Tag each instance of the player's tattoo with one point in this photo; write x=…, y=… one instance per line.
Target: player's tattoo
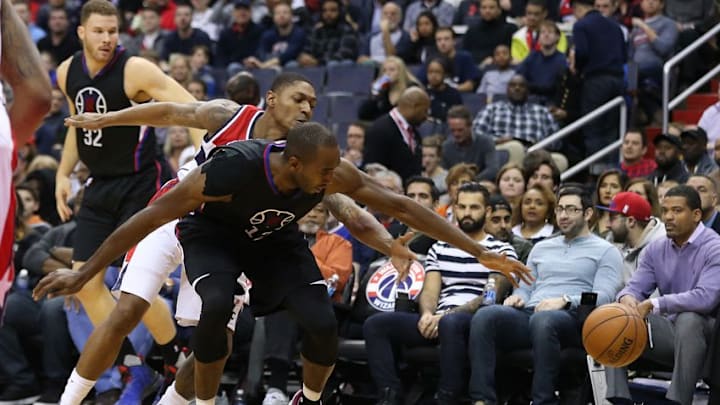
x=342, y=207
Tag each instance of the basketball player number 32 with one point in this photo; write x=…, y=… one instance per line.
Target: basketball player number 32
x=92, y=137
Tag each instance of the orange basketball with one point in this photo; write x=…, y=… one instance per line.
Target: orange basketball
x=614, y=335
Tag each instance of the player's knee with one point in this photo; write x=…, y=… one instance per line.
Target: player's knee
x=217, y=308
x=127, y=314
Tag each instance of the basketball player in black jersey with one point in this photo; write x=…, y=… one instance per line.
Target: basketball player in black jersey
x=238, y=231
x=124, y=174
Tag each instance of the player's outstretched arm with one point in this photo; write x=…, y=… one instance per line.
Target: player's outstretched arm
x=183, y=198
x=361, y=187
x=22, y=68
x=209, y=116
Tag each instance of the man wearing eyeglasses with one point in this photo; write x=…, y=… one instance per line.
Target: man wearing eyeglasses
x=542, y=316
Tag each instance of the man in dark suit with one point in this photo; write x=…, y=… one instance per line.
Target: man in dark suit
x=707, y=188
x=393, y=141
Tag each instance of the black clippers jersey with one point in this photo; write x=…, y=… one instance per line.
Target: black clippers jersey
x=258, y=211
x=112, y=151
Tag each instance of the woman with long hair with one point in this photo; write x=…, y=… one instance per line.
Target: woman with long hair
x=423, y=47
x=387, y=89
x=645, y=188
x=609, y=183
x=511, y=185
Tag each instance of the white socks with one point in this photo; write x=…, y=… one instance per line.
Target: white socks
x=171, y=397
x=310, y=394
x=210, y=401
x=76, y=389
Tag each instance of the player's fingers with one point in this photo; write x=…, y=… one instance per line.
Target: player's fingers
x=40, y=289
x=405, y=238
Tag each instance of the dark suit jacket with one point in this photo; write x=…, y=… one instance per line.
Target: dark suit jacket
x=716, y=224
x=384, y=144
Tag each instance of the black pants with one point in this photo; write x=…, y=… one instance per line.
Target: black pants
x=596, y=91
x=35, y=330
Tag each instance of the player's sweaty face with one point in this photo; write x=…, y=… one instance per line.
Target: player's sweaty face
x=295, y=104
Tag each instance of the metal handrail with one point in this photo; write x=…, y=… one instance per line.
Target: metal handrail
x=666, y=103
x=617, y=101
x=602, y=152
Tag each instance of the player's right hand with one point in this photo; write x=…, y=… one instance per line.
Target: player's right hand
x=59, y=282
x=401, y=256
x=86, y=120
x=62, y=194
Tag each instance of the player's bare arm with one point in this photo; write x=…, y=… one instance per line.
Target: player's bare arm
x=359, y=186
x=183, y=198
x=209, y=116
x=149, y=82
x=365, y=228
x=22, y=68
x=70, y=156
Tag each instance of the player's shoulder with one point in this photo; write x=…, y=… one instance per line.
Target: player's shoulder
x=62, y=72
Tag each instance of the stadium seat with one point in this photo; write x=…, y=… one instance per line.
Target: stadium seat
x=322, y=109
x=355, y=79
x=344, y=108
x=316, y=75
x=474, y=102
x=265, y=78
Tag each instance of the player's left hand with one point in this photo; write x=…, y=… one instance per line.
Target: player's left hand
x=401, y=256
x=59, y=282
x=86, y=120
x=511, y=268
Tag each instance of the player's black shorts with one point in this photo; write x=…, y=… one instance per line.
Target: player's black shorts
x=275, y=268
x=107, y=203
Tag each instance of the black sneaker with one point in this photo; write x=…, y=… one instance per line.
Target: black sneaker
x=14, y=395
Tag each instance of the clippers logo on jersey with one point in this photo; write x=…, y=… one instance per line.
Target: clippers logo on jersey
x=90, y=100
x=380, y=291
x=268, y=221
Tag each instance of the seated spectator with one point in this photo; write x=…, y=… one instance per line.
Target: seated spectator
x=149, y=36
x=391, y=40
x=332, y=41
x=61, y=41
x=485, y=33
x=333, y=255
x=668, y=149
x=710, y=122
x=48, y=137
x=355, y=137
x=633, y=228
x=41, y=179
x=540, y=168
x=176, y=141
x=185, y=37
x=443, y=11
x=527, y=38
x=541, y=316
x=422, y=46
x=543, y=69
x=609, y=183
x=652, y=42
x=515, y=119
x=180, y=69
x=644, y=188
x=681, y=317
x=610, y=9
x=663, y=188
x=452, y=292
x=22, y=8
x=394, y=79
x=203, y=19
x=199, y=59
x=463, y=147
x=280, y=44
x=632, y=151
x=457, y=175
x=496, y=79
x=537, y=214
x=465, y=74
x=442, y=96
x=511, y=185
x=198, y=89
x=707, y=189
x=166, y=8
x=423, y=191
x=242, y=30
x=694, y=151
x=498, y=223
x=31, y=205
x=431, y=162
x=392, y=139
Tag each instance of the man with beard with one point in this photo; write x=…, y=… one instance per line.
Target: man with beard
x=452, y=292
x=499, y=224
x=633, y=228
x=332, y=41
x=333, y=255
x=392, y=139
x=541, y=316
x=707, y=189
x=667, y=156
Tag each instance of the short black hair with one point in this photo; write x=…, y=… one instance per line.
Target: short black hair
x=475, y=187
x=448, y=29
x=590, y=3
x=434, y=192
x=643, y=137
x=286, y=79
x=577, y=190
x=459, y=111
x=540, y=3
x=692, y=198
x=304, y=140
x=243, y=88
x=497, y=202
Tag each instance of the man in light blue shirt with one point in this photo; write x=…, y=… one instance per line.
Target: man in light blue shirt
x=685, y=269
x=542, y=315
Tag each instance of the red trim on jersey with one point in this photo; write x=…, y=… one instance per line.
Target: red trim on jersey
x=239, y=127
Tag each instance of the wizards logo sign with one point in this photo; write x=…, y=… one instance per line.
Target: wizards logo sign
x=381, y=289
x=268, y=221
x=90, y=100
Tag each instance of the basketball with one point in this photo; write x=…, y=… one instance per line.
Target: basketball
x=614, y=335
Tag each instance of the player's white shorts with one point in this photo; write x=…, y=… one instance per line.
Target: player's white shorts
x=189, y=303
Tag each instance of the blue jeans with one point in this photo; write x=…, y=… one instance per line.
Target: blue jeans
x=501, y=328
x=386, y=332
